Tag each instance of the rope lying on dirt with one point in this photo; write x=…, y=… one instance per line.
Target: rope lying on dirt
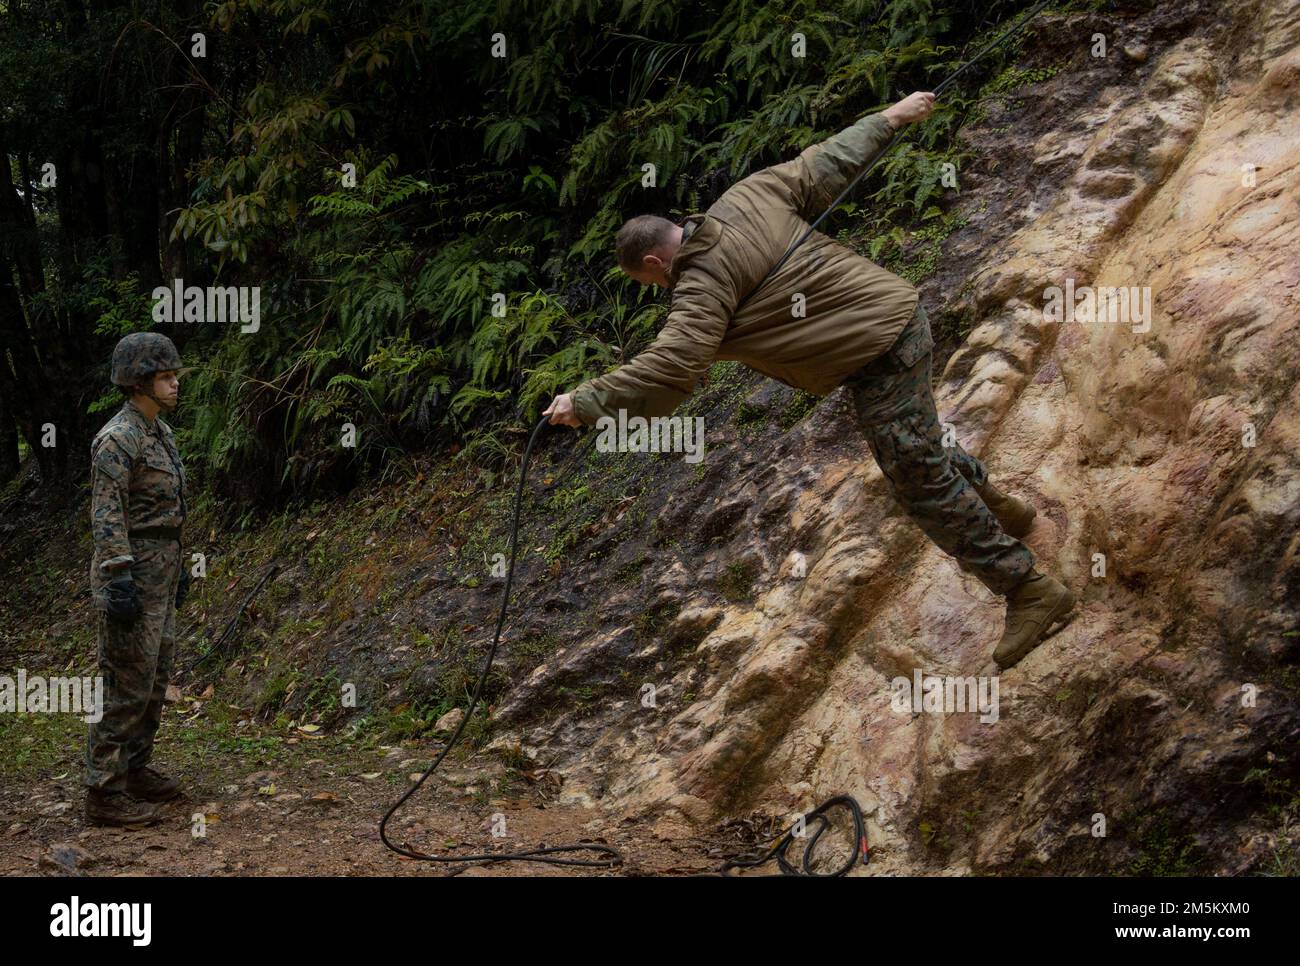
x=799, y=829
x=609, y=856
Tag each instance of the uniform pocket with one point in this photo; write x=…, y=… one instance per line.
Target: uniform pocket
x=159, y=462
x=157, y=477
x=915, y=341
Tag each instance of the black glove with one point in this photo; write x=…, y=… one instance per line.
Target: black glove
x=122, y=600
x=183, y=588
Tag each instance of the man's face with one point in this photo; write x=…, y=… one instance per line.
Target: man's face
x=166, y=388
x=654, y=266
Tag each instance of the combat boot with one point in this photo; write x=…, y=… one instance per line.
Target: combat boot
x=151, y=786
x=118, y=808
x=1015, y=516
x=1034, y=607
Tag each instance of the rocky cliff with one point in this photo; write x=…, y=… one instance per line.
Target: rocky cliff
x=1163, y=453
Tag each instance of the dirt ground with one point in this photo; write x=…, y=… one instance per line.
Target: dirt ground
x=282, y=793
x=307, y=804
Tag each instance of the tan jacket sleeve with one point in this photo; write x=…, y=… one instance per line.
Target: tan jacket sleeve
x=664, y=375
x=817, y=176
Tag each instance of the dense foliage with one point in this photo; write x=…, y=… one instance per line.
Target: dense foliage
x=474, y=175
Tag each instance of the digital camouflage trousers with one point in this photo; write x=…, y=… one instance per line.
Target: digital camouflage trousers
x=135, y=661
x=935, y=484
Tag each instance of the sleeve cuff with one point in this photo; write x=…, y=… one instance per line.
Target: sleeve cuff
x=582, y=407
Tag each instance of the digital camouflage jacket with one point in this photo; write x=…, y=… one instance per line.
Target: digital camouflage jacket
x=137, y=480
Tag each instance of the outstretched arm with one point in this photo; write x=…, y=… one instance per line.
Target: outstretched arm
x=817, y=176
x=664, y=375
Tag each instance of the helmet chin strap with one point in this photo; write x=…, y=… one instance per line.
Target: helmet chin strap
x=146, y=389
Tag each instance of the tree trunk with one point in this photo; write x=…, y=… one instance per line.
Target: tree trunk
x=9, y=462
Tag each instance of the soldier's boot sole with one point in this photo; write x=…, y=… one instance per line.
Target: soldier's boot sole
x=1036, y=610
x=109, y=817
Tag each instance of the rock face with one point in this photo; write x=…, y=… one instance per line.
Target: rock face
x=1163, y=453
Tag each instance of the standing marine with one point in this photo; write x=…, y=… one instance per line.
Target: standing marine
x=137, y=580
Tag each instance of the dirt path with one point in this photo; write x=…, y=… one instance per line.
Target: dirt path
x=277, y=803
x=310, y=837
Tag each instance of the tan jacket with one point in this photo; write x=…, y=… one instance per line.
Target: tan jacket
x=854, y=309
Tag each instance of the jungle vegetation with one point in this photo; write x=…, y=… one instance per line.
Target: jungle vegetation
x=424, y=193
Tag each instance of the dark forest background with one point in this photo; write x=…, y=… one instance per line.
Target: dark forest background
x=130, y=161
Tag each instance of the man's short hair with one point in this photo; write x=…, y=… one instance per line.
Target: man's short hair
x=639, y=236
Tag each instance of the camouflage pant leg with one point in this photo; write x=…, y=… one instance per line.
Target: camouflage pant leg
x=933, y=483
x=135, y=663
x=140, y=748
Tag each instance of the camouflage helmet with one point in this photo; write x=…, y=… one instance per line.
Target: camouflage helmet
x=140, y=355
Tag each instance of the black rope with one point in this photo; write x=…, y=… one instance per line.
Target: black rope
x=859, y=851
x=611, y=856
